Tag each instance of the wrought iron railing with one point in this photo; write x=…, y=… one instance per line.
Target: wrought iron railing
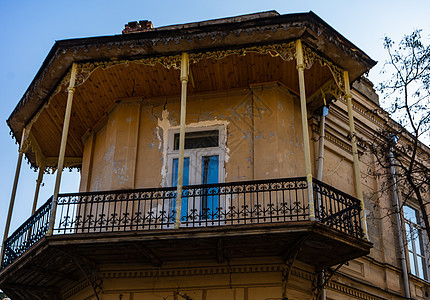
x=337, y=209
x=223, y=204
x=27, y=234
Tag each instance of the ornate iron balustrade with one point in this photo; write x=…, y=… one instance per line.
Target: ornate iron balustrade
x=27, y=234
x=337, y=209
x=223, y=204
x=226, y=204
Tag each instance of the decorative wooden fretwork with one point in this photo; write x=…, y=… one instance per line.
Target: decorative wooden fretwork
x=310, y=57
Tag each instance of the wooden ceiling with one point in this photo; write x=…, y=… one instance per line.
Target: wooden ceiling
x=104, y=87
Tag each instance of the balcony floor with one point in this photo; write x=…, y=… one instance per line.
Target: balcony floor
x=265, y=219
x=55, y=261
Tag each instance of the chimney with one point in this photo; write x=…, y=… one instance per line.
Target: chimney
x=134, y=26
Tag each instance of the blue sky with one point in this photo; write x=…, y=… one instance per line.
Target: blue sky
x=28, y=30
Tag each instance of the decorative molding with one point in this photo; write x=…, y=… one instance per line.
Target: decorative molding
x=352, y=292
x=74, y=290
x=221, y=270
x=338, y=142
x=329, y=87
x=40, y=158
x=286, y=51
x=86, y=69
x=310, y=57
x=365, y=113
x=333, y=89
x=69, y=162
x=283, y=50
x=213, y=270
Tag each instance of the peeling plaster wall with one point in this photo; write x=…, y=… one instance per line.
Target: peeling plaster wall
x=115, y=148
x=263, y=137
x=278, y=138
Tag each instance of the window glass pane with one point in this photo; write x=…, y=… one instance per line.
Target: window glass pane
x=410, y=214
x=198, y=139
x=210, y=169
x=424, y=268
x=185, y=179
x=417, y=242
x=412, y=262
x=210, y=201
x=409, y=236
x=420, y=267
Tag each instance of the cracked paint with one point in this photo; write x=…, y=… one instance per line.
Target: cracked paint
x=162, y=132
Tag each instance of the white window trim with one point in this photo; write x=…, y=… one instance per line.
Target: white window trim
x=196, y=154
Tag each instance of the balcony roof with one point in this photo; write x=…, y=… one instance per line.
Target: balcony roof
x=221, y=34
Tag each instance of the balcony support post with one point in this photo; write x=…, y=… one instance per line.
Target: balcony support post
x=308, y=167
x=60, y=164
x=353, y=134
x=13, y=194
x=38, y=183
x=185, y=65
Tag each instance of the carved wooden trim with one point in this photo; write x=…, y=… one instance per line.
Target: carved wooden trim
x=310, y=57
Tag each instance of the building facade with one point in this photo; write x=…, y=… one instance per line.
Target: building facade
x=219, y=159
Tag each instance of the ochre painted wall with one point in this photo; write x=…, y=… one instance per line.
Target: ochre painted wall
x=263, y=138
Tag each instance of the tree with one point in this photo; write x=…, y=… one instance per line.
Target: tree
x=407, y=90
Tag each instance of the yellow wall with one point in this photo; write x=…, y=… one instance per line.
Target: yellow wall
x=264, y=137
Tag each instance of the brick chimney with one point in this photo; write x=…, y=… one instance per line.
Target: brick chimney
x=134, y=26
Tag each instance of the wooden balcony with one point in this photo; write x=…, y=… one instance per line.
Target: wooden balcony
x=266, y=218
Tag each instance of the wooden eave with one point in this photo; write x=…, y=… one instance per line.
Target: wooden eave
x=167, y=41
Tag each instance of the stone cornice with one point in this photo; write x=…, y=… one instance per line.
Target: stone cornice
x=333, y=285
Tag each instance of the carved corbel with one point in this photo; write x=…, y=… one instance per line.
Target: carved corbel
x=328, y=88
x=310, y=57
x=40, y=158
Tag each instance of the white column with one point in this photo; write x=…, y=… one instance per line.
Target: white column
x=308, y=167
x=38, y=183
x=184, y=82
x=13, y=194
x=60, y=163
x=353, y=134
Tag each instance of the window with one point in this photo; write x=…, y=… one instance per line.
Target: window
x=203, y=164
x=416, y=242
x=198, y=139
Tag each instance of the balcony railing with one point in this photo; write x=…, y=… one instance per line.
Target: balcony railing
x=223, y=204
